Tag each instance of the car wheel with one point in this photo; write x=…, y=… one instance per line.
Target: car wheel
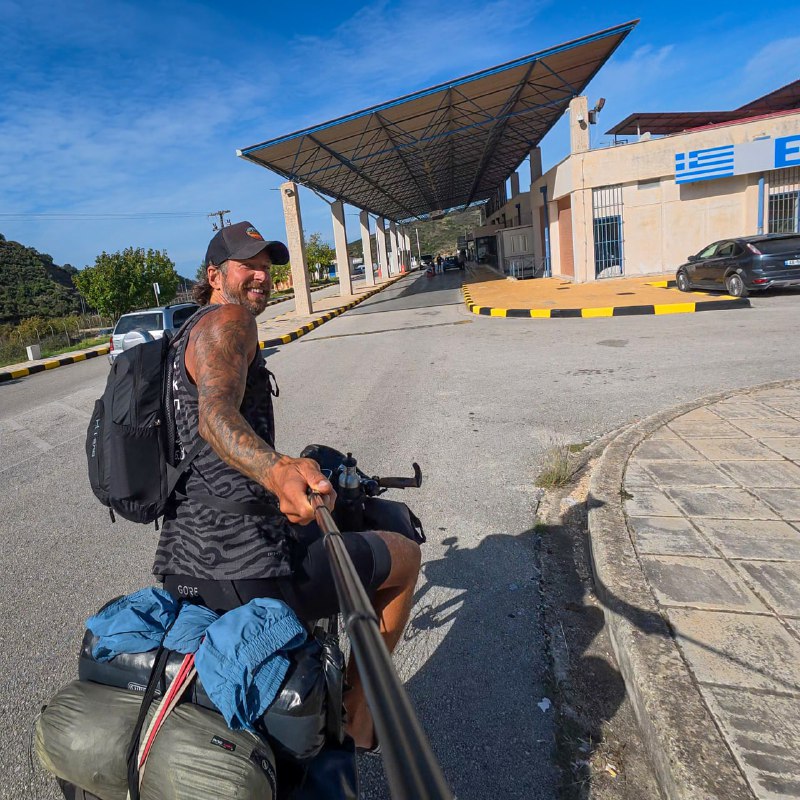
x=682, y=280
x=735, y=285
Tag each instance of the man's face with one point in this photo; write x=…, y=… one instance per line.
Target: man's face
x=246, y=283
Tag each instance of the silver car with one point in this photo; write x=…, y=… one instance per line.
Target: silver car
x=144, y=326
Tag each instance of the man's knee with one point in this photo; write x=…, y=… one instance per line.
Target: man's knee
x=406, y=557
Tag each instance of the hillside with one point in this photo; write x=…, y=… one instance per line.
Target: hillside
x=435, y=235
x=32, y=285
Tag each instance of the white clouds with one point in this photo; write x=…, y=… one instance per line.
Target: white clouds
x=774, y=65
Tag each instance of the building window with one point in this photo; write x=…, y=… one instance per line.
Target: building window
x=519, y=243
x=784, y=201
x=607, y=230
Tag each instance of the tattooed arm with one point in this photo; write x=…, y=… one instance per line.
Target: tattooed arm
x=220, y=349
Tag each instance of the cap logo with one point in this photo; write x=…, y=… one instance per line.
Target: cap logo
x=254, y=234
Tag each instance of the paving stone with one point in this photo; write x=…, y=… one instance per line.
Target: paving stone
x=763, y=428
x=763, y=474
x=635, y=476
x=720, y=504
x=778, y=582
x=663, y=433
x=743, y=410
x=699, y=582
x=705, y=414
x=687, y=473
x=789, y=447
x=733, y=450
x=747, y=650
x=650, y=503
x=763, y=731
x=786, y=501
x=764, y=539
x=767, y=395
x=790, y=407
x=670, y=536
x=718, y=429
x=651, y=449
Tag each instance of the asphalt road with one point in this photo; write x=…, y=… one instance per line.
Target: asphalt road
x=409, y=375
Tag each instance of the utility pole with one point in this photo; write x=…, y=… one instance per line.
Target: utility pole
x=222, y=221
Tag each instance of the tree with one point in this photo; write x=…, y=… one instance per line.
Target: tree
x=123, y=281
x=202, y=273
x=319, y=255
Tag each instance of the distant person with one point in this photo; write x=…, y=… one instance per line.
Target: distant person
x=439, y=262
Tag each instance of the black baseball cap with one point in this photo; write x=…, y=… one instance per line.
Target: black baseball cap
x=242, y=241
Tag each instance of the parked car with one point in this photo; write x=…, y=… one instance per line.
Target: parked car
x=144, y=326
x=451, y=262
x=743, y=265
x=426, y=261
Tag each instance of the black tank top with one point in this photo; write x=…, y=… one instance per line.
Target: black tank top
x=202, y=542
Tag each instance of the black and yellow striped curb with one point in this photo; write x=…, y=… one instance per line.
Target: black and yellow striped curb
x=309, y=326
x=607, y=311
x=52, y=363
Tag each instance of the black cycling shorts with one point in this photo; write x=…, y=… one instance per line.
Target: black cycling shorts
x=309, y=591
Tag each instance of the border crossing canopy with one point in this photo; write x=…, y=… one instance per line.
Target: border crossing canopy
x=444, y=147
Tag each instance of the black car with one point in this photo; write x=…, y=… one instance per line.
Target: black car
x=451, y=262
x=744, y=265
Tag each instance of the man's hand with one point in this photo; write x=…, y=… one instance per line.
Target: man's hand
x=290, y=479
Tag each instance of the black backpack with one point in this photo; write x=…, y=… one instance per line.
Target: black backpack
x=131, y=439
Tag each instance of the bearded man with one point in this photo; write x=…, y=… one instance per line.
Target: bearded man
x=231, y=535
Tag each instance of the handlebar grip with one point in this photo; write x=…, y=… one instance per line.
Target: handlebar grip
x=403, y=483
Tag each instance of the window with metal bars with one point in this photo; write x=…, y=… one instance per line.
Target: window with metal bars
x=784, y=201
x=607, y=231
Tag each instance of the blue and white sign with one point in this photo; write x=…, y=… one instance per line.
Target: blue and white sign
x=737, y=159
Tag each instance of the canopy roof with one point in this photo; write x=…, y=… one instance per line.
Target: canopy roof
x=663, y=123
x=443, y=147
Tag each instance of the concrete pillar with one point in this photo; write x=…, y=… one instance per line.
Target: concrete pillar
x=340, y=243
x=366, y=244
x=394, y=261
x=578, y=125
x=297, y=247
x=408, y=247
x=582, y=237
x=514, y=184
x=380, y=240
x=536, y=164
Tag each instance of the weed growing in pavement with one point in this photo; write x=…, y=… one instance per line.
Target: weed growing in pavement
x=557, y=469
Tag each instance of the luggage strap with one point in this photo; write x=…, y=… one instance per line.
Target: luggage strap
x=132, y=756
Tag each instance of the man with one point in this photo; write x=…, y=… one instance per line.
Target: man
x=229, y=539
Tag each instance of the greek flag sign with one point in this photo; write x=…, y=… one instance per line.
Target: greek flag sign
x=726, y=160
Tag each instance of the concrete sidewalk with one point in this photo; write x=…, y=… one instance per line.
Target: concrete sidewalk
x=695, y=535
x=490, y=294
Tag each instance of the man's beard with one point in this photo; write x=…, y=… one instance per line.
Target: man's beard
x=241, y=297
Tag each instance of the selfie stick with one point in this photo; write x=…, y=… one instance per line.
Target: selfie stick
x=412, y=771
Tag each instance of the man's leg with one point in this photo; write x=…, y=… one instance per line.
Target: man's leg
x=393, y=600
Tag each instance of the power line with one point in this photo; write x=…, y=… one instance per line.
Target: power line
x=100, y=215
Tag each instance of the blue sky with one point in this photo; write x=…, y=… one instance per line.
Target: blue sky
x=138, y=108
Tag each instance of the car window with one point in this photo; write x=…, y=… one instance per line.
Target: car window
x=725, y=249
x=737, y=249
x=153, y=321
x=709, y=251
x=181, y=315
